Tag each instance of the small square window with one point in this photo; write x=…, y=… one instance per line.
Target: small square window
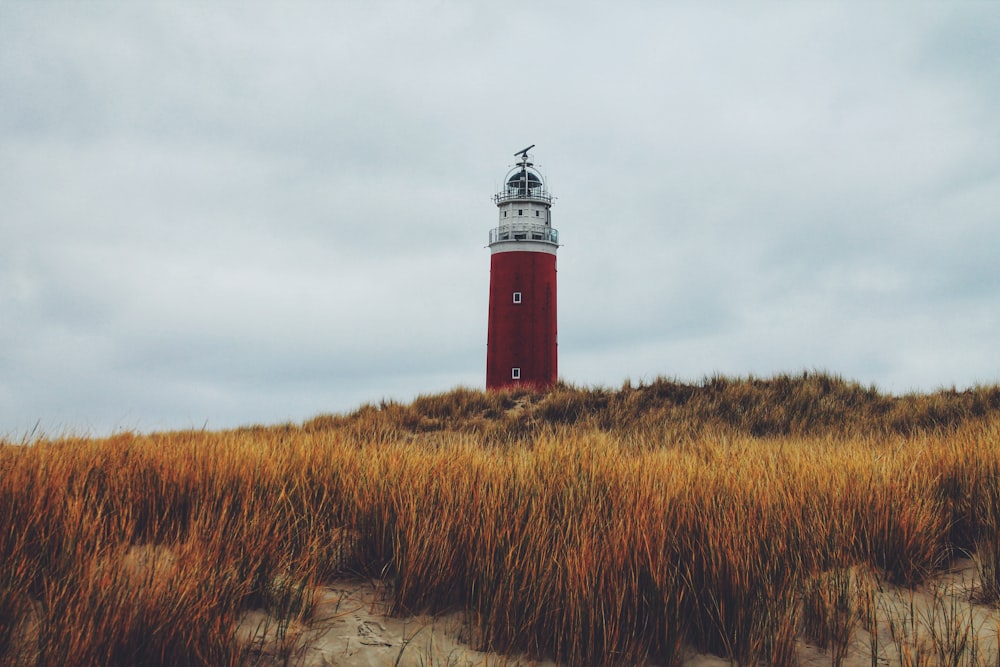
x=515, y=374
x=517, y=297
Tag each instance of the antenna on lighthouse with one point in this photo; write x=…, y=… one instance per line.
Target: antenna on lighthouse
x=524, y=153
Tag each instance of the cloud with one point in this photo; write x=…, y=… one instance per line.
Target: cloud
x=246, y=214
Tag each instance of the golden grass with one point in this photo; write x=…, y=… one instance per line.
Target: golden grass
x=591, y=526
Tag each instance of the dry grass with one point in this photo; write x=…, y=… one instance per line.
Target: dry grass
x=591, y=526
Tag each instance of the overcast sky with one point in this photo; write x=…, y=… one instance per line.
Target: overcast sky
x=238, y=213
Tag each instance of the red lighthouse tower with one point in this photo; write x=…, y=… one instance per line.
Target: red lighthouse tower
x=521, y=336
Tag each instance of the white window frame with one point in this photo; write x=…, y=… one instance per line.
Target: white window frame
x=515, y=373
x=517, y=297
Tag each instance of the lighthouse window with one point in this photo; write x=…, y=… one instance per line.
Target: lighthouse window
x=517, y=297
x=520, y=211
x=515, y=374
x=505, y=214
x=537, y=213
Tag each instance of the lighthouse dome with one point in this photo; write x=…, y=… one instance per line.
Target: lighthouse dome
x=523, y=181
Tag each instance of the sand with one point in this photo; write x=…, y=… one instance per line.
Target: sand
x=350, y=627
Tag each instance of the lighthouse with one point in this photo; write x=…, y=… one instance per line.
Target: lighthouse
x=521, y=336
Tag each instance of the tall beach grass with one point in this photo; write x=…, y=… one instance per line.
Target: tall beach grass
x=586, y=525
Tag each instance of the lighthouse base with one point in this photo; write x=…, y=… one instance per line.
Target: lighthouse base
x=521, y=345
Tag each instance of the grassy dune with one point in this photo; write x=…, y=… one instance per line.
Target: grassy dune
x=589, y=526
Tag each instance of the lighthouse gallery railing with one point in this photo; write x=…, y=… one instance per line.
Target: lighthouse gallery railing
x=524, y=231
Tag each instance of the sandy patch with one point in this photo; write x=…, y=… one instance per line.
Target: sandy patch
x=350, y=627
x=937, y=623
